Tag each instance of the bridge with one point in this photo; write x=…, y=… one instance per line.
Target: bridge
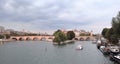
x=84, y=38
x=48, y=38
x=25, y=38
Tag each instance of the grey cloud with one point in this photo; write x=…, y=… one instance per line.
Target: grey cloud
x=55, y=14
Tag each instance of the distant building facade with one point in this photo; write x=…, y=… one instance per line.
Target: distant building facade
x=79, y=32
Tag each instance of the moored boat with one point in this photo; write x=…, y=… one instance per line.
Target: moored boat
x=115, y=58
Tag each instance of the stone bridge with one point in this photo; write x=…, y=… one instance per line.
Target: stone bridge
x=20, y=38
x=48, y=38
x=84, y=38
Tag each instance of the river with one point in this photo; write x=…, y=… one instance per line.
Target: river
x=41, y=52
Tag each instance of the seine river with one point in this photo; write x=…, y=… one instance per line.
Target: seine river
x=41, y=52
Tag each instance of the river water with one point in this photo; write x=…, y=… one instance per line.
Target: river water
x=41, y=52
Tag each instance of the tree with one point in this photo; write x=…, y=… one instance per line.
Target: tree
x=59, y=36
x=116, y=25
x=1, y=36
x=4, y=36
x=56, y=32
x=70, y=35
x=57, y=39
x=109, y=33
x=104, y=31
x=7, y=36
x=114, y=39
x=116, y=29
x=113, y=34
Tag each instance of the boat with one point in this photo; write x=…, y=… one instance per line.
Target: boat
x=104, y=50
x=114, y=50
x=99, y=44
x=115, y=58
x=79, y=47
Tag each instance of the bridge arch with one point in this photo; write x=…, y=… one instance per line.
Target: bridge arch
x=76, y=39
x=28, y=38
x=88, y=39
x=21, y=39
x=15, y=39
x=43, y=39
x=81, y=39
x=36, y=39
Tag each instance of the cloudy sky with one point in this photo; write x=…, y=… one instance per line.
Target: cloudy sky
x=50, y=15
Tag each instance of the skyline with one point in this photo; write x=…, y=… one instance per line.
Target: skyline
x=50, y=15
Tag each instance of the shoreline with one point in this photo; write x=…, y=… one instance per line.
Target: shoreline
x=6, y=40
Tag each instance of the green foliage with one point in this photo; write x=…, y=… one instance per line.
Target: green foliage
x=59, y=36
x=83, y=34
x=57, y=39
x=14, y=34
x=114, y=39
x=116, y=25
x=113, y=34
x=24, y=34
x=70, y=35
x=104, y=31
x=1, y=36
x=109, y=33
x=7, y=36
x=56, y=32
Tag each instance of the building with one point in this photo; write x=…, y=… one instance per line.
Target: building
x=8, y=31
x=79, y=32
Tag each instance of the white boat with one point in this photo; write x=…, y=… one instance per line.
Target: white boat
x=79, y=47
x=99, y=42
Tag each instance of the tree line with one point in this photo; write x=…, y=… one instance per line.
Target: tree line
x=113, y=34
x=4, y=36
x=61, y=36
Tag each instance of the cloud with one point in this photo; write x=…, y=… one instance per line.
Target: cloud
x=50, y=15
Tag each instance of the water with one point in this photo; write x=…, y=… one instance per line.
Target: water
x=40, y=52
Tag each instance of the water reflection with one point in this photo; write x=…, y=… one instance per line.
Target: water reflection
x=1, y=43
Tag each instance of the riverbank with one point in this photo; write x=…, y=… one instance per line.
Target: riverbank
x=63, y=43
x=5, y=40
